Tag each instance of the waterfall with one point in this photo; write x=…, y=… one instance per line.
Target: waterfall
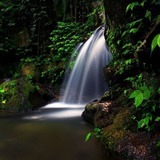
x=86, y=81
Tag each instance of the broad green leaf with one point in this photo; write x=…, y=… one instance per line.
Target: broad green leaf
x=155, y=42
x=2, y=90
x=146, y=92
x=139, y=99
x=134, y=94
x=138, y=95
x=146, y=120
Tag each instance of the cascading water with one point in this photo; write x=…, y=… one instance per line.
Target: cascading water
x=87, y=81
x=56, y=120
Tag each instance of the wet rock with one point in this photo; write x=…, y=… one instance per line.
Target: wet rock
x=100, y=114
x=90, y=111
x=117, y=134
x=15, y=95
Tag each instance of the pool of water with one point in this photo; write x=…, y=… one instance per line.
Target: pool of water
x=48, y=134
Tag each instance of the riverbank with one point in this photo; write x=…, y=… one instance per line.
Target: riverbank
x=119, y=130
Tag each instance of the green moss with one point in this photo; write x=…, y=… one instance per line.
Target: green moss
x=16, y=95
x=115, y=132
x=123, y=118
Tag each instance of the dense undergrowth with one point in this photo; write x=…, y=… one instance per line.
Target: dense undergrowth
x=36, y=43
x=135, y=68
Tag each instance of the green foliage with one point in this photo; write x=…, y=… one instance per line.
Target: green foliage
x=14, y=95
x=144, y=95
x=141, y=94
x=158, y=144
x=155, y=42
x=126, y=44
x=97, y=132
x=62, y=47
x=2, y=94
x=131, y=6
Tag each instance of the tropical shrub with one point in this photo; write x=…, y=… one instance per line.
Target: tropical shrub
x=134, y=46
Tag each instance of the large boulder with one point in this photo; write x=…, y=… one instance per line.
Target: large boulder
x=119, y=134
x=14, y=95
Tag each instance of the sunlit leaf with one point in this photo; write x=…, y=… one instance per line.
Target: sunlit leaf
x=141, y=123
x=157, y=119
x=134, y=94
x=158, y=40
x=139, y=99
x=142, y=4
x=4, y=101
x=131, y=6
x=88, y=136
x=2, y=90
x=155, y=42
x=133, y=30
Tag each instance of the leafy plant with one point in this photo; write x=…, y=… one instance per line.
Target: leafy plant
x=97, y=132
x=128, y=49
x=155, y=42
x=141, y=94
x=145, y=101
x=62, y=47
x=2, y=92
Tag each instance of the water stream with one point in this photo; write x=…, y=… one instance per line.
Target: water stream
x=56, y=131
x=48, y=134
x=86, y=81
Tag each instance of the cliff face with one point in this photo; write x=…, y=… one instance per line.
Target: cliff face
x=115, y=12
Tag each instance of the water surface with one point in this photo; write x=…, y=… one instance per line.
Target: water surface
x=45, y=135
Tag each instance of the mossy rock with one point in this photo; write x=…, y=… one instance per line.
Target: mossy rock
x=112, y=137
x=15, y=95
x=101, y=114
x=123, y=118
x=90, y=111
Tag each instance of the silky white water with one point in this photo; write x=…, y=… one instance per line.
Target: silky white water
x=86, y=81
x=56, y=131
